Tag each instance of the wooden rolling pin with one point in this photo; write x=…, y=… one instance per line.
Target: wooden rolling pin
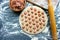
x=52, y=20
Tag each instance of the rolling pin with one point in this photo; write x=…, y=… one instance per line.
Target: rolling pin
x=52, y=20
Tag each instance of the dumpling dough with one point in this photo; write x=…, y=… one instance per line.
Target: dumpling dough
x=33, y=20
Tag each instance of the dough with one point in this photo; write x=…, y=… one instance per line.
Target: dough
x=33, y=20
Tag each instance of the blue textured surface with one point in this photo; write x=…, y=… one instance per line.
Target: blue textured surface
x=10, y=28
x=0, y=0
